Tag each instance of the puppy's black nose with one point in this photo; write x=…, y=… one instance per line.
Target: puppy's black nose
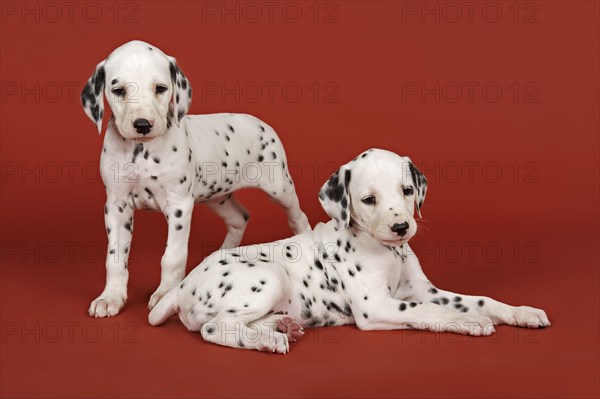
x=400, y=229
x=142, y=126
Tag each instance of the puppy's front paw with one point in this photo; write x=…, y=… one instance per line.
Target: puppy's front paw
x=526, y=316
x=156, y=296
x=108, y=304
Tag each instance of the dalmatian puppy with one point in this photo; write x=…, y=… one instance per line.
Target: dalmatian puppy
x=357, y=268
x=155, y=157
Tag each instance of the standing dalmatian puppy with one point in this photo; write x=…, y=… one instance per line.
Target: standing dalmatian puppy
x=156, y=157
x=357, y=268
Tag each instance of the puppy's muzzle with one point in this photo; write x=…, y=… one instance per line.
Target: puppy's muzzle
x=142, y=126
x=400, y=228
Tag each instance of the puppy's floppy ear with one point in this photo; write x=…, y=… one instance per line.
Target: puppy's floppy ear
x=182, y=91
x=420, y=185
x=92, y=96
x=335, y=197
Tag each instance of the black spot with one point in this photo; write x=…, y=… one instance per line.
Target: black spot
x=127, y=226
x=156, y=159
x=210, y=329
x=154, y=177
x=480, y=302
x=178, y=227
x=402, y=307
x=413, y=304
x=136, y=150
x=260, y=158
x=457, y=299
x=433, y=290
x=99, y=81
x=178, y=213
x=365, y=316
x=444, y=300
x=318, y=264
x=347, y=177
x=274, y=155
x=174, y=149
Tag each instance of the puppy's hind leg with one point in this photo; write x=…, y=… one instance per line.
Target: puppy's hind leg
x=243, y=325
x=235, y=216
x=285, y=195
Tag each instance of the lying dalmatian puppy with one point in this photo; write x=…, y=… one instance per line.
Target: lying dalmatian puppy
x=156, y=157
x=357, y=268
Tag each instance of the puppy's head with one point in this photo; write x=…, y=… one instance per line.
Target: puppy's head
x=144, y=87
x=378, y=192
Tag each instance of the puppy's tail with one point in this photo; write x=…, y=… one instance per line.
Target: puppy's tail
x=164, y=309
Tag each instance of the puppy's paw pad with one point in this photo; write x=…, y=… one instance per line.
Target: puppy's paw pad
x=291, y=328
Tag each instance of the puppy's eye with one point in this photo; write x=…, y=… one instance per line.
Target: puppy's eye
x=368, y=200
x=161, y=89
x=408, y=191
x=118, y=91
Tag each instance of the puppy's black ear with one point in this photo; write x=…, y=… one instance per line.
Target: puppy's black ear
x=335, y=197
x=92, y=96
x=182, y=91
x=420, y=184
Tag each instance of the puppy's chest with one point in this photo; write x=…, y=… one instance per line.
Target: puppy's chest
x=146, y=173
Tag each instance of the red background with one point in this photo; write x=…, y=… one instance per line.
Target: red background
x=543, y=220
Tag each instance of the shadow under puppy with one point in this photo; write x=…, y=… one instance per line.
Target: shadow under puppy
x=357, y=268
